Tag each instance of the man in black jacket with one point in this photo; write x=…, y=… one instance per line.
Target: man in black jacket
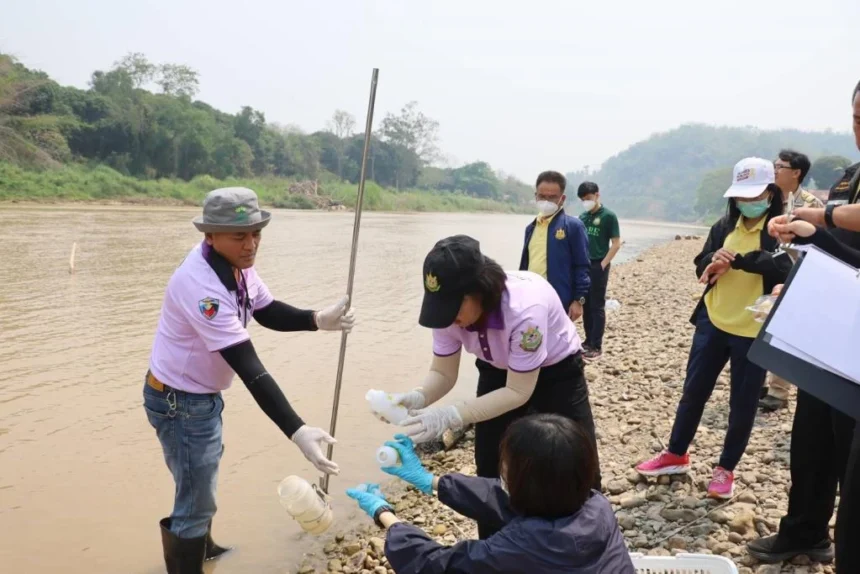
x=821, y=436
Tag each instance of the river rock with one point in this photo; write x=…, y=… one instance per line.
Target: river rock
x=743, y=523
x=722, y=547
x=626, y=521
x=352, y=548
x=748, y=497
x=677, y=543
x=632, y=501
x=719, y=516
x=618, y=486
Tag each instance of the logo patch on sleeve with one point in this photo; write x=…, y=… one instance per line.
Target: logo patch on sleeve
x=531, y=340
x=208, y=307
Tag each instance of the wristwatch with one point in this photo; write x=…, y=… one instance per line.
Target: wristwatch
x=828, y=215
x=379, y=512
x=581, y=300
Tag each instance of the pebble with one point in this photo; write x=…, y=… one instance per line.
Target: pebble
x=618, y=486
x=743, y=522
x=352, y=548
x=719, y=516
x=748, y=497
x=632, y=501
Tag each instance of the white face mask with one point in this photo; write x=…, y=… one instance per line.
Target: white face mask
x=546, y=208
x=588, y=205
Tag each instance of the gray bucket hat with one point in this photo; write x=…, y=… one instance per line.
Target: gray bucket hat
x=231, y=209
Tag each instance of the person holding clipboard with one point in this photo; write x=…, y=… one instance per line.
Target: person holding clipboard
x=825, y=443
x=848, y=515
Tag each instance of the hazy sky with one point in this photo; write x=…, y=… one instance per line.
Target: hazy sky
x=526, y=86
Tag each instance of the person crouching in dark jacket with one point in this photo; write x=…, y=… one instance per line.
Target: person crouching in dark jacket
x=737, y=265
x=549, y=518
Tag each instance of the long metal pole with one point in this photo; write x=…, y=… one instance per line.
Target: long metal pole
x=355, y=227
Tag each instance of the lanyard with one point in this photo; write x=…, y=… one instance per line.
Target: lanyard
x=243, y=300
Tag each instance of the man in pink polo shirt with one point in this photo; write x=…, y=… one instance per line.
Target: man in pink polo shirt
x=200, y=343
x=529, y=355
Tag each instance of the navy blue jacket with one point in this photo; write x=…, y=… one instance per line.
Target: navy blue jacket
x=588, y=542
x=567, y=262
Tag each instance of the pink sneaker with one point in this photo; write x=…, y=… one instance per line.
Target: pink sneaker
x=722, y=484
x=665, y=463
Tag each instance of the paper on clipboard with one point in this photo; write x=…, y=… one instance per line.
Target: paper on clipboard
x=785, y=347
x=818, y=319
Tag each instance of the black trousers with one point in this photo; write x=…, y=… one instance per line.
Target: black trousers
x=820, y=444
x=594, y=313
x=848, y=517
x=561, y=389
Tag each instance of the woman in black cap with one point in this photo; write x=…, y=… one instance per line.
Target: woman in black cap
x=528, y=352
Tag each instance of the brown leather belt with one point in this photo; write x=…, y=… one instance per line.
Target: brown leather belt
x=155, y=383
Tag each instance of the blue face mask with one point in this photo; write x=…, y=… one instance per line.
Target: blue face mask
x=753, y=209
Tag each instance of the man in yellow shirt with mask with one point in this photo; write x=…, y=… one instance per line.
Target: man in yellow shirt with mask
x=556, y=245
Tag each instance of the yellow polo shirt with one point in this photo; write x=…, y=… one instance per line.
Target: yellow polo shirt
x=537, y=246
x=736, y=290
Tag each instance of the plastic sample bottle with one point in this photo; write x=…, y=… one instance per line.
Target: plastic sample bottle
x=382, y=404
x=387, y=456
x=306, y=504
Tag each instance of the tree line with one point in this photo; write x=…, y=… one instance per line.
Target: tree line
x=681, y=174
x=141, y=119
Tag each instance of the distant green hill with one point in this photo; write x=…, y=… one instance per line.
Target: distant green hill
x=658, y=178
x=138, y=134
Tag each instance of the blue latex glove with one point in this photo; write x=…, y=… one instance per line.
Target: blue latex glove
x=369, y=497
x=411, y=470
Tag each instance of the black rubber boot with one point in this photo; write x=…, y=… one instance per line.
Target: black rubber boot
x=775, y=549
x=214, y=551
x=182, y=555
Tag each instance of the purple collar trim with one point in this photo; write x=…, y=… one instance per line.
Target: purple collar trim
x=495, y=320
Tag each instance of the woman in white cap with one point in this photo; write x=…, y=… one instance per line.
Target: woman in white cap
x=200, y=342
x=737, y=265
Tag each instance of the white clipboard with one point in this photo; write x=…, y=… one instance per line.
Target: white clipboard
x=818, y=320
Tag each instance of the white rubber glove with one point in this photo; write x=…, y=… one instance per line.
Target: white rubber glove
x=332, y=318
x=310, y=441
x=413, y=400
x=429, y=424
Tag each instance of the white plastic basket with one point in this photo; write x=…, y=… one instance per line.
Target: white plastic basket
x=682, y=564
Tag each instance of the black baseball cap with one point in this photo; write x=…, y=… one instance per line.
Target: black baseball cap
x=450, y=270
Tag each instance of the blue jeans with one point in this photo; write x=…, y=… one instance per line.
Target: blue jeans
x=189, y=428
x=709, y=353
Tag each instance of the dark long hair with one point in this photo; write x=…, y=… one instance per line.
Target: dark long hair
x=549, y=464
x=488, y=285
x=776, y=207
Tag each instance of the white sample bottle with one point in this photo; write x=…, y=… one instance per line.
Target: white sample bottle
x=383, y=405
x=306, y=504
x=387, y=456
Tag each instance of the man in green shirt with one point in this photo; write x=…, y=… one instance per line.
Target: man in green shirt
x=604, y=241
